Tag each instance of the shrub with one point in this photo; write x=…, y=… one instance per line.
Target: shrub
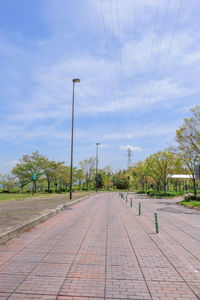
x=122, y=183
x=192, y=198
x=141, y=192
x=50, y=191
x=15, y=191
x=163, y=194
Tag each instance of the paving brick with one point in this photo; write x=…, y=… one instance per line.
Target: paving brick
x=8, y=283
x=16, y=296
x=4, y=296
x=40, y=285
x=51, y=269
x=83, y=287
x=101, y=249
x=127, y=289
x=17, y=267
x=175, y=290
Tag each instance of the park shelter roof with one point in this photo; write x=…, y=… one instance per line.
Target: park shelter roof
x=180, y=176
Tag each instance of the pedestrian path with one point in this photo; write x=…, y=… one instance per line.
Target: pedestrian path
x=101, y=249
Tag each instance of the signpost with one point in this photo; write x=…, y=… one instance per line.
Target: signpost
x=34, y=179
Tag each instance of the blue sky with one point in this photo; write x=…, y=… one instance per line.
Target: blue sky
x=139, y=65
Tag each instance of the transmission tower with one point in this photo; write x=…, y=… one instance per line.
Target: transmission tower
x=129, y=157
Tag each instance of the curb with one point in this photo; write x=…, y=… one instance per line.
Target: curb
x=24, y=226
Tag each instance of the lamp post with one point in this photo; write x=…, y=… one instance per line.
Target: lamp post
x=97, y=144
x=75, y=80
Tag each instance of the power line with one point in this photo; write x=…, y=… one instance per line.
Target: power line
x=149, y=62
x=108, y=56
x=159, y=47
x=169, y=48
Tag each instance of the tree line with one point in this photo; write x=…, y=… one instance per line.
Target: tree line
x=150, y=174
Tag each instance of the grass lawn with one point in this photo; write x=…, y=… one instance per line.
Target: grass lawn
x=20, y=196
x=190, y=203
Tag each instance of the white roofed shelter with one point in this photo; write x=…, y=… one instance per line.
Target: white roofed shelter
x=179, y=176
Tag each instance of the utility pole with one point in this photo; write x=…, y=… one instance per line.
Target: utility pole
x=97, y=144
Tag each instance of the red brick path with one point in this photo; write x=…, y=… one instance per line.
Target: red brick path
x=101, y=249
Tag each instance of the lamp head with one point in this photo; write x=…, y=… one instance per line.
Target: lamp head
x=76, y=80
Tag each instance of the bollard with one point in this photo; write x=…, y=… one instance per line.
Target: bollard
x=131, y=204
x=139, y=209
x=156, y=222
x=126, y=199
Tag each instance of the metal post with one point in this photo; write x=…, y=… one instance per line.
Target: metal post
x=139, y=209
x=131, y=203
x=156, y=222
x=72, y=137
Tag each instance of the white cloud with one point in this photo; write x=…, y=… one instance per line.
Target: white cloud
x=6, y=167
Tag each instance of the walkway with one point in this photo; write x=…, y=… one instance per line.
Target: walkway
x=100, y=249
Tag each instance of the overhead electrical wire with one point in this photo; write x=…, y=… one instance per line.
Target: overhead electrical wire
x=169, y=49
x=155, y=58
x=149, y=63
x=109, y=55
x=115, y=58
x=159, y=49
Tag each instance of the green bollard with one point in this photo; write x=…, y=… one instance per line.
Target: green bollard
x=156, y=222
x=139, y=209
x=126, y=199
x=131, y=203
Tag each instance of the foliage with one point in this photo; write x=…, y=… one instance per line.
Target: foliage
x=192, y=197
x=190, y=203
x=121, y=183
x=188, y=139
x=99, y=181
x=88, y=168
x=8, y=182
x=159, y=166
x=163, y=194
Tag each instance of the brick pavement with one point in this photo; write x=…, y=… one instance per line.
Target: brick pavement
x=101, y=249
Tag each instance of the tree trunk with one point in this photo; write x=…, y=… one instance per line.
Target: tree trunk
x=165, y=188
x=48, y=185
x=194, y=186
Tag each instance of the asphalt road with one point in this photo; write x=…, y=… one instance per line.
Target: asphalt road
x=102, y=249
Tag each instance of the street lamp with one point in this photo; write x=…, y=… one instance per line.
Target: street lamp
x=97, y=144
x=75, y=80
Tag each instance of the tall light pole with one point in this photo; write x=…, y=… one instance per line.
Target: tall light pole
x=75, y=80
x=97, y=144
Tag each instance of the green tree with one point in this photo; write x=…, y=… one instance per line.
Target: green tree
x=8, y=182
x=107, y=177
x=26, y=166
x=80, y=177
x=99, y=180
x=62, y=176
x=49, y=168
x=88, y=168
x=159, y=165
x=188, y=139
